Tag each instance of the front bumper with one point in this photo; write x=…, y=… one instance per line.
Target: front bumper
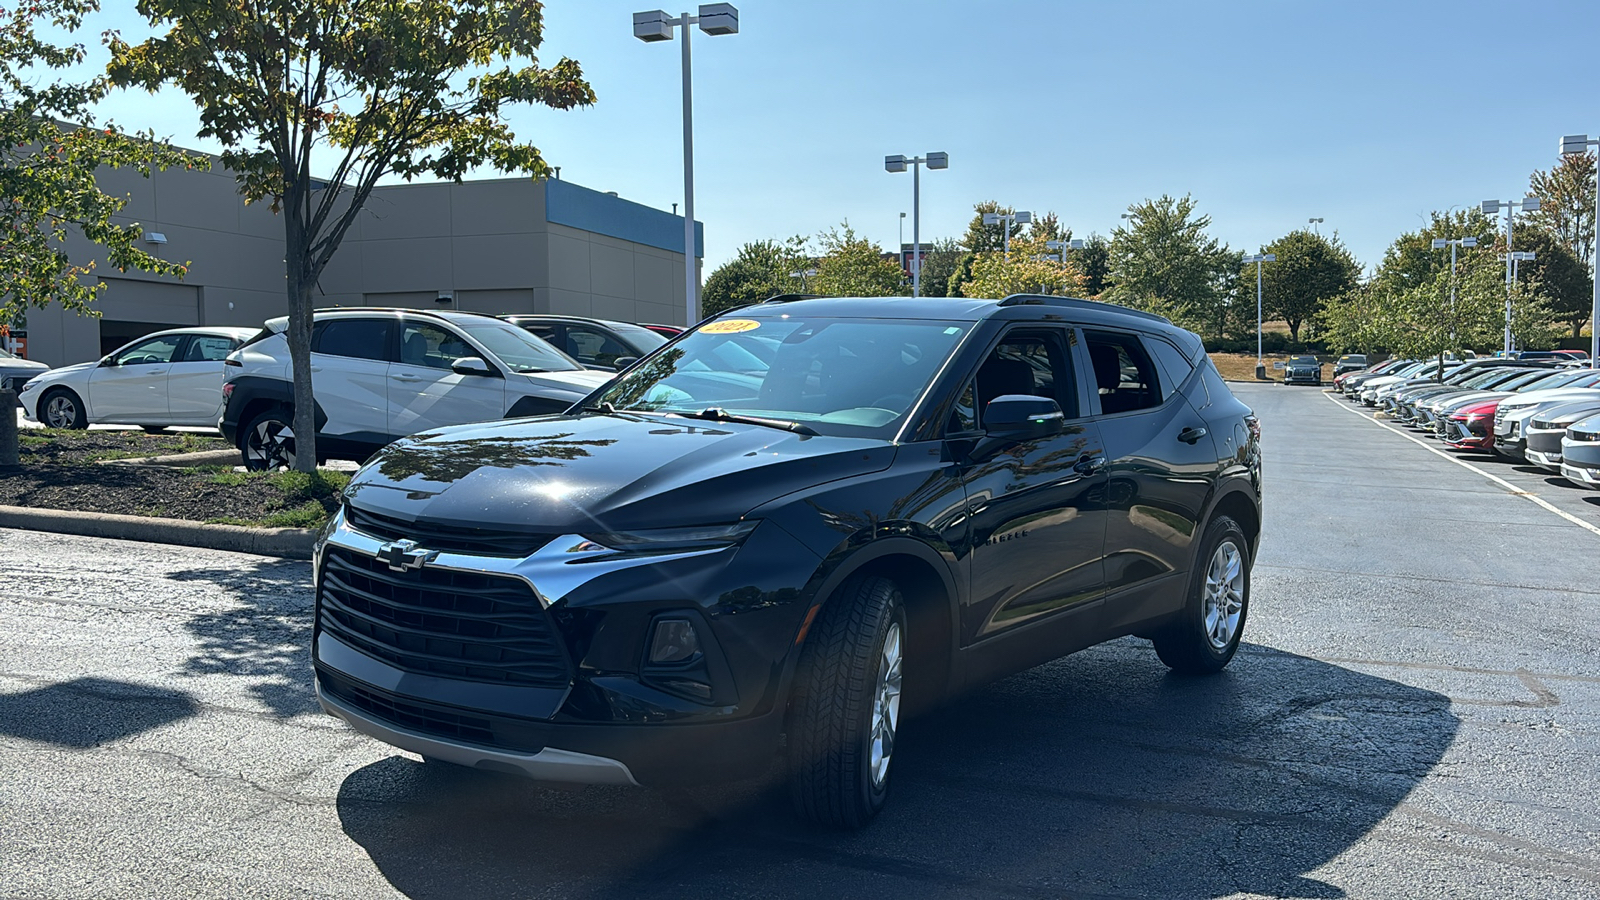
x=1550, y=462
x=1582, y=475
x=1304, y=377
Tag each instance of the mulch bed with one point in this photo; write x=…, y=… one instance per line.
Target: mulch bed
x=60, y=470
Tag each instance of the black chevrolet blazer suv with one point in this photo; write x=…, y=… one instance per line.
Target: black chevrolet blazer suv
x=784, y=530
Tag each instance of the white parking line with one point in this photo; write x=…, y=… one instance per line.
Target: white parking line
x=1511, y=488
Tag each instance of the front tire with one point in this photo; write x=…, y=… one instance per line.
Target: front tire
x=267, y=442
x=62, y=408
x=846, y=706
x=1207, y=632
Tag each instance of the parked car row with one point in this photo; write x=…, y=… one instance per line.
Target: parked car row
x=1540, y=409
x=381, y=374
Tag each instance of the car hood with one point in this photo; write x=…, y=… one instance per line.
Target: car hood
x=1456, y=401
x=1569, y=413
x=67, y=371
x=21, y=367
x=579, y=381
x=592, y=472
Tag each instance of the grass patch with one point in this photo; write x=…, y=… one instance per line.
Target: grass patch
x=308, y=499
x=229, y=478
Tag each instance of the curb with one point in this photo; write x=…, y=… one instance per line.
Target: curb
x=288, y=543
x=178, y=460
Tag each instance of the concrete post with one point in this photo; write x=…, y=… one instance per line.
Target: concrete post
x=8, y=428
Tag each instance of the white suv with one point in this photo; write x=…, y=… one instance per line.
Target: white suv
x=382, y=374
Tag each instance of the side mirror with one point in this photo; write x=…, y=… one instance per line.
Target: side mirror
x=108, y=360
x=1021, y=417
x=470, y=365
x=622, y=362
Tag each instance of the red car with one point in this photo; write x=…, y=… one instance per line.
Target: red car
x=1472, y=427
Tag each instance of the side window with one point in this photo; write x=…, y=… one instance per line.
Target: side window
x=203, y=348
x=1026, y=361
x=1174, y=367
x=546, y=333
x=354, y=338
x=593, y=348
x=151, y=352
x=1124, y=374
x=423, y=344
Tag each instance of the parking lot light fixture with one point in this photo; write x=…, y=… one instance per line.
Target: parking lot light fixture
x=1574, y=145
x=1440, y=244
x=1258, y=259
x=896, y=164
x=1491, y=207
x=1314, y=222
x=1009, y=220
x=654, y=26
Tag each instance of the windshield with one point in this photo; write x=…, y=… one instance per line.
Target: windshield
x=1310, y=360
x=5, y=355
x=518, y=349
x=838, y=376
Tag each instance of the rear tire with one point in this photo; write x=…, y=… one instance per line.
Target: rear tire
x=154, y=429
x=267, y=441
x=1206, y=634
x=846, y=705
x=62, y=408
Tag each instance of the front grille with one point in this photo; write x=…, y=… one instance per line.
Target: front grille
x=424, y=718
x=467, y=625
x=451, y=539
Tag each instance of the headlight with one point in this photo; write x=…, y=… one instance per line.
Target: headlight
x=694, y=537
x=28, y=387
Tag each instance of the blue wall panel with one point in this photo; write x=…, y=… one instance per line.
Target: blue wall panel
x=576, y=206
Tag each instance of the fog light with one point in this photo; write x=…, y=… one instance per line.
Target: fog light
x=674, y=641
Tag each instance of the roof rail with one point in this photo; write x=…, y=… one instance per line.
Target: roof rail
x=1075, y=303
x=789, y=298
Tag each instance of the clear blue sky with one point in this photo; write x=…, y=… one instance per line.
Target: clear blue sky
x=1366, y=114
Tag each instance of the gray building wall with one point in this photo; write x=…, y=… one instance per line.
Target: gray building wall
x=494, y=246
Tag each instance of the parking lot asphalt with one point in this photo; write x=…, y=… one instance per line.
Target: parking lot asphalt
x=1415, y=713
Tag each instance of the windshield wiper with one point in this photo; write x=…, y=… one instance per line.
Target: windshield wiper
x=718, y=414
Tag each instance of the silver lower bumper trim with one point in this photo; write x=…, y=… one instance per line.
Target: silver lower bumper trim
x=1580, y=475
x=549, y=764
x=1550, y=462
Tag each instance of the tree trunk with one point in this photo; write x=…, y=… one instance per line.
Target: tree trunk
x=300, y=283
x=1294, y=330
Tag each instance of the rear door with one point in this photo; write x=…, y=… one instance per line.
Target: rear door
x=1163, y=465
x=424, y=393
x=350, y=369
x=133, y=389
x=194, y=382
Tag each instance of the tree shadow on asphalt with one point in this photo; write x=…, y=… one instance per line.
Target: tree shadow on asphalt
x=88, y=712
x=266, y=640
x=1096, y=775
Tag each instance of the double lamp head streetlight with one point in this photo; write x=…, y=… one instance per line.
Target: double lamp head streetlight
x=714, y=19
x=1258, y=259
x=1578, y=145
x=896, y=164
x=1492, y=207
x=1010, y=220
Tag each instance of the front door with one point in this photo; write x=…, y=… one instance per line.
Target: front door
x=132, y=389
x=424, y=393
x=1037, y=527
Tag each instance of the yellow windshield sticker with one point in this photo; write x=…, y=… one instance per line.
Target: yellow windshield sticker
x=731, y=326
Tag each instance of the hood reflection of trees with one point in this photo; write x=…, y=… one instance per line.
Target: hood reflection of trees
x=451, y=461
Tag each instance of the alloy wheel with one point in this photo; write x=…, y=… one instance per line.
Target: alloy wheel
x=886, y=705
x=1224, y=598
x=270, y=444
x=60, y=412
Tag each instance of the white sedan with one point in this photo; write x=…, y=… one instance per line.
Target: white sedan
x=160, y=380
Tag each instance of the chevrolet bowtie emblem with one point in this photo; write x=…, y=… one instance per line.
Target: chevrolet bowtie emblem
x=402, y=556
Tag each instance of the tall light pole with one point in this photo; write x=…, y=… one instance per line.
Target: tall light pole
x=1516, y=256
x=1573, y=145
x=1491, y=207
x=656, y=25
x=1009, y=220
x=1061, y=248
x=898, y=164
x=1440, y=244
x=1258, y=259
x=1314, y=222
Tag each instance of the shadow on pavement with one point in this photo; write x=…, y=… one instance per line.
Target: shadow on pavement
x=266, y=640
x=88, y=712
x=1097, y=775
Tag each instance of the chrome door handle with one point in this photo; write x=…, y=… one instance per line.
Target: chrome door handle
x=1191, y=435
x=405, y=378
x=1090, y=465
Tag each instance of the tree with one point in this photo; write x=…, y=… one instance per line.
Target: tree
x=760, y=270
x=981, y=237
x=1411, y=260
x=852, y=266
x=1164, y=262
x=47, y=170
x=406, y=87
x=1555, y=274
x=1309, y=271
x=939, y=261
x=1027, y=270
x=1094, y=261
x=1566, y=203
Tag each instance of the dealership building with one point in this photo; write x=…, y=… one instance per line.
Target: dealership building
x=511, y=245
